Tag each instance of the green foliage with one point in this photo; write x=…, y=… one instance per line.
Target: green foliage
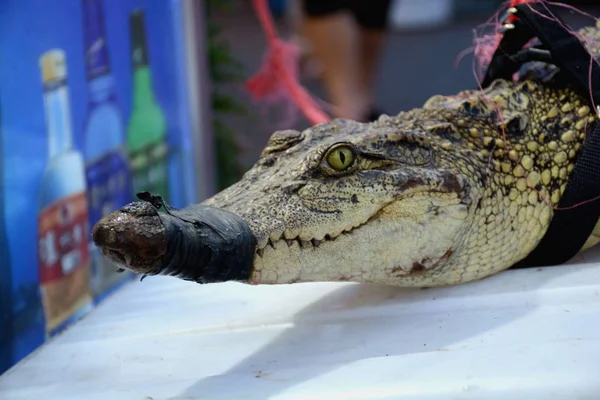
x=220, y=4
x=224, y=70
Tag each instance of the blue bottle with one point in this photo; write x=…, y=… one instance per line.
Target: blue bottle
x=107, y=169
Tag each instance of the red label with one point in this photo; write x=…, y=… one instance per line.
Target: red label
x=63, y=241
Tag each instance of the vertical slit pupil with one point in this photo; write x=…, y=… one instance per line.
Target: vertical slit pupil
x=342, y=157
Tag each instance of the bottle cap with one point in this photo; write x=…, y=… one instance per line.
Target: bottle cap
x=139, y=51
x=96, y=51
x=53, y=65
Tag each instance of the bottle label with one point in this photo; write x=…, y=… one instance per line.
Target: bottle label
x=149, y=165
x=108, y=184
x=63, y=246
x=64, y=259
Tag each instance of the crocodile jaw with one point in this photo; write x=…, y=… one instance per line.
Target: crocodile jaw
x=406, y=243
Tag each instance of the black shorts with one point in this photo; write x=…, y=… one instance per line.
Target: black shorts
x=369, y=14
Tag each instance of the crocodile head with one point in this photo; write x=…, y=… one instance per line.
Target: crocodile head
x=348, y=201
x=343, y=201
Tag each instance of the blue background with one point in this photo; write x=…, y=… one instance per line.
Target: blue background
x=27, y=29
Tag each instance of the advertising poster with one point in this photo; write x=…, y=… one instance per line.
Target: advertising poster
x=89, y=116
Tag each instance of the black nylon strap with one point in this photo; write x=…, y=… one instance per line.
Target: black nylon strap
x=577, y=214
x=575, y=219
x=569, y=52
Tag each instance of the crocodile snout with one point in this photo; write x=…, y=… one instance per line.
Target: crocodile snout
x=132, y=237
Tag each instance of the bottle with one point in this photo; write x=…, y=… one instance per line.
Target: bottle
x=6, y=304
x=108, y=177
x=146, y=133
x=63, y=250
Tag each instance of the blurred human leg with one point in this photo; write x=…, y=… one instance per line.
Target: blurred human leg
x=347, y=37
x=372, y=17
x=334, y=37
x=309, y=66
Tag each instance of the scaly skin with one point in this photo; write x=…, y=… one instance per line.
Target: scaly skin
x=455, y=191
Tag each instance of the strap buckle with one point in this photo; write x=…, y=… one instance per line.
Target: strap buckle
x=507, y=20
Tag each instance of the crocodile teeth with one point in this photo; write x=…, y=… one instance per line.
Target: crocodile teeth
x=260, y=252
x=275, y=239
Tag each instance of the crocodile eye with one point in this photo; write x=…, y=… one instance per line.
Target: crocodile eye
x=341, y=157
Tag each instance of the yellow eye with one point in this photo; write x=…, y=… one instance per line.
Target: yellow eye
x=340, y=158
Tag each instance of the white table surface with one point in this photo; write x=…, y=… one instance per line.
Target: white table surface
x=525, y=334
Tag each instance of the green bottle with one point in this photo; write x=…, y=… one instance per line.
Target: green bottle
x=147, y=128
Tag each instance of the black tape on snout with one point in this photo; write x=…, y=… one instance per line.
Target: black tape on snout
x=205, y=244
x=579, y=208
